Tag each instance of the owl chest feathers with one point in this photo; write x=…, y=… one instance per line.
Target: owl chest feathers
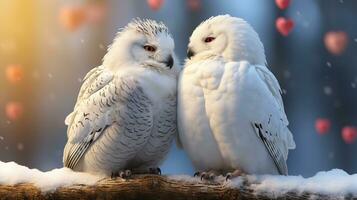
x=157, y=86
x=207, y=85
x=215, y=76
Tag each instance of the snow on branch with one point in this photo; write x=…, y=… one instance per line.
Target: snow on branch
x=19, y=182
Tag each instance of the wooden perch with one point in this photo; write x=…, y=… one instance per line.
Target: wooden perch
x=144, y=187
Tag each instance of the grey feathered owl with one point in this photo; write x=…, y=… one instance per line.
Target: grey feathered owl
x=125, y=115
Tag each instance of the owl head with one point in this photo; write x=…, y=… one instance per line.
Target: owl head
x=143, y=43
x=229, y=37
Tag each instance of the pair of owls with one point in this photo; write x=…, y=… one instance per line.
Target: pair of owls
x=225, y=104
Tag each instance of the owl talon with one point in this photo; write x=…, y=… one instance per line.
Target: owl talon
x=156, y=171
x=125, y=174
x=203, y=175
x=208, y=176
x=228, y=176
x=234, y=174
x=196, y=174
x=159, y=171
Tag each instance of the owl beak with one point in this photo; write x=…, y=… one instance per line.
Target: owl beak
x=170, y=62
x=190, y=53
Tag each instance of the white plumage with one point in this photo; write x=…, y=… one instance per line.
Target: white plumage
x=230, y=110
x=125, y=115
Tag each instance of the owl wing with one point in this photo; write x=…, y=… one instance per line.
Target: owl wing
x=274, y=88
x=105, y=99
x=274, y=132
x=94, y=80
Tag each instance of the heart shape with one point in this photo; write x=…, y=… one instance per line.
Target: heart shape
x=194, y=5
x=14, y=73
x=72, y=17
x=284, y=26
x=349, y=134
x=282, y=4
x=322, y=126
x=14, y=110
x=155, y=4
x=336, y=42
x=95, y=12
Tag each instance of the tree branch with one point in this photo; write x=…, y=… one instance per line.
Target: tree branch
x=145, y=187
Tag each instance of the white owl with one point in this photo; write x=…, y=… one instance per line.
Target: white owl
x=125, y=116
x=231, y=115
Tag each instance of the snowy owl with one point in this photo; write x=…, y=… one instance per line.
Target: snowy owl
x=125, y=116
x=231, y=116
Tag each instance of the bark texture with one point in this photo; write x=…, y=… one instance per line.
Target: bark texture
x=147, y=187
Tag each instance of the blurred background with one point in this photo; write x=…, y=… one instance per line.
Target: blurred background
x=46, y=48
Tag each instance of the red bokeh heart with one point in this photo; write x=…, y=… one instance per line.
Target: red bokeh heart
x=322, y=126
x=282, y=4
x=155, y=4
x=284, y=26
x=349, y=134
x=336, y=42
x=14, y=73
x=95, y=12
x=72, y=17
x=14, y=110
x=194, y=5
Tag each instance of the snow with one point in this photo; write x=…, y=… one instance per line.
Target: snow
x=335, y=182
x=12, y=173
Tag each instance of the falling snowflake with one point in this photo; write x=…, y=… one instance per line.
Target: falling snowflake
x=331, y=155
x=287, y=74
x=52, y=96
x=101, y=46
x=50, y=76
x=328, y=90
x=20, y=146
x=35, y=75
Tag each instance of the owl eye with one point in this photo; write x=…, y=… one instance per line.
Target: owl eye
x=149, y=48
x=209, y=39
